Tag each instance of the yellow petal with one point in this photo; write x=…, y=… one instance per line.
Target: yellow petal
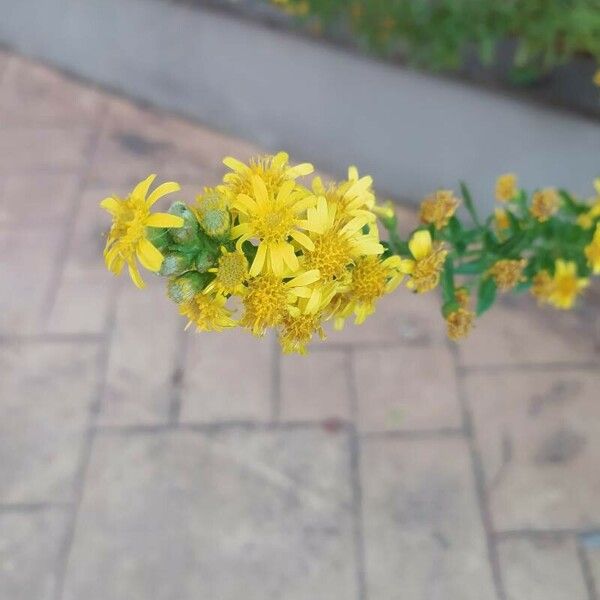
x=260, y=190
x=276, y=256
x=235, y=165
x=305, y=278
x=141, y=189
x=259, y=260
x=300, y=170
x=150, y=257
x=135, y=275
x=112, y=205
x=420, y=244
x=162, y=190
x=407, y=266
x=303, y=239
x=164, y=220
x=289, y=258
x=244, y=204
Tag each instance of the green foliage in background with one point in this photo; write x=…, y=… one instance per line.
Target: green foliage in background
x=438, y=33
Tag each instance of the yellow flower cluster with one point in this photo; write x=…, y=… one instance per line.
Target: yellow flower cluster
x=262, y=251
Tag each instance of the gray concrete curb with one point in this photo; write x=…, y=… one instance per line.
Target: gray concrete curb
x=413, y=132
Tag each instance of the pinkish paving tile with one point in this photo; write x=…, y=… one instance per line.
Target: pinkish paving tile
x=142, y=359
x=35, y=95
x=517, y=331
x=228, y=376
x=538, y=433
x=422, y=527
x=315, y=386
x=406, y=388
x=400, y=318
x=43, y=148
x=28, y=269
x=41, y=199
x=546, y=567
x=138, y=141
x=47, y=390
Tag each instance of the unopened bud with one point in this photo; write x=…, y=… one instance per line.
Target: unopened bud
x=186, y=286
x=213, y=214
x=189, y=232
x=175, y=263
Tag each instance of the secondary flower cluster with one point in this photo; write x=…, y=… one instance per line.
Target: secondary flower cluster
x=264, y=251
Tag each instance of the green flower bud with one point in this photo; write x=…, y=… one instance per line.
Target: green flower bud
x=186, y=286
x=175, y=263
x=213, y=214
x=189, y=232
x=206, y=258
x=158, y=236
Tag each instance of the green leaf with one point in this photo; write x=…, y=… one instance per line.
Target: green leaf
x=469, y=203
x=474, y=267
x=486, y=295
x=447, y=281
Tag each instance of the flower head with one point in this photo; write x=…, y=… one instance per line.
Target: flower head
x=128, y=238
x=544, y=204
x=427, y=262
x=212, y=212
x=336, y=245
x=506, y=187
x=231, y=272
x=267, y=297
x=507, y=273
x=501, y=219
x=566, y=285
x=274, y=217
x=439, y=208
x=273, y=171
x=207, y=312
x=542, y=286
x=592, y=251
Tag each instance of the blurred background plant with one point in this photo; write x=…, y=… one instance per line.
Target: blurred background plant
x=443, y=34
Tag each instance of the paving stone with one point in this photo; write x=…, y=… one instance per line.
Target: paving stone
x=401, y=317
x=546, y=568
x=139, y=382
x=315, y=386
x=228, y=376
x=591, y=545
x=539, y=437
x=517, y=331
x=85, y=288
x=46, y=390
x=28, y=260
x=29, y=548
x=41, y=200
x=423, y=532
x=35, y=95
x=43, y=148
x=237, y=514
x=137, y=141
x=406, y=388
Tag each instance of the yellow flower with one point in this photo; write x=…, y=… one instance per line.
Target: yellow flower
x=351, y=198
x=597, y=78
x=566, y=286
x=385, y=210
x=231, y=273
x=506, y=187
x=501, y=219
x=592, y=251
x=587, y=219
x=335, y=246
x=267, y=297
x=127, y=239
x=427, y=262
x=371, y=279
x=507, y=273
x=272, y=170
x=459, y=323
x=542, y=286
x=272, y=216
x=439, y=208
x=544, y=204
x=207, y=312
x=212, y=212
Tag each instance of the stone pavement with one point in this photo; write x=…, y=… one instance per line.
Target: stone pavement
x=141, y=462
